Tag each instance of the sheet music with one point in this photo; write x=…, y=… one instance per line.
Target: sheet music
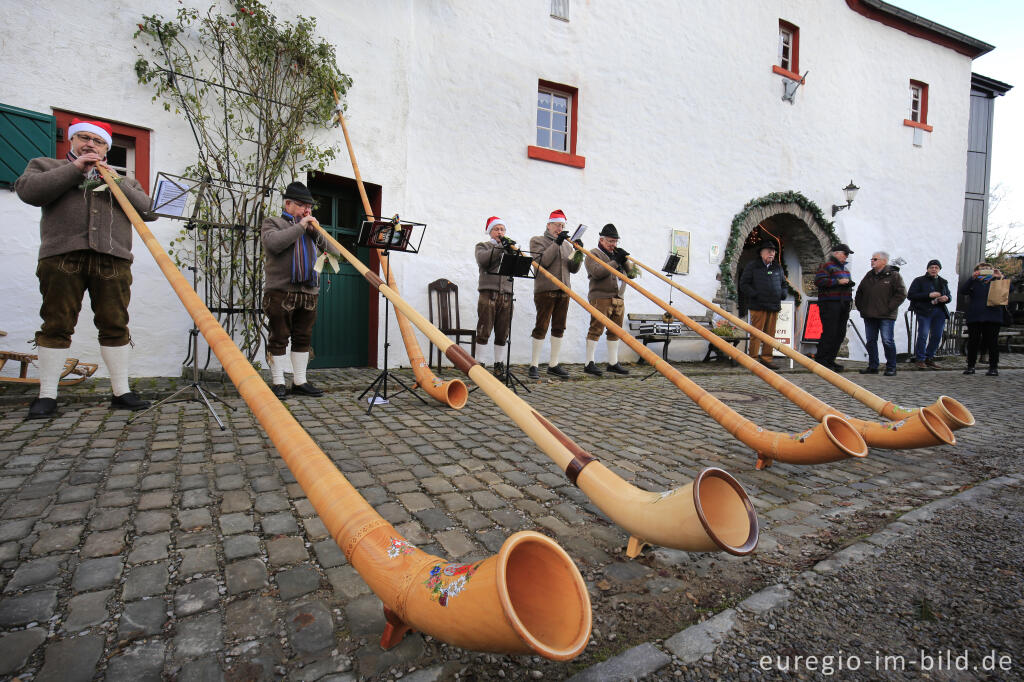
x=169, y=198
x=578, y=234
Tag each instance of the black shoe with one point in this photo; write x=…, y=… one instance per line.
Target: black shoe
x=770, y=365
x=931, y=364
x=969, y=370
x=992, y=372
x=499, y=369
x=869, y=370
x=591, y=368
x=890, y=371
x=42, y=408
x=129, y=401
x=617, y=369
x=533, y=372
x=280, y=390
x=307, y=389
x=558, y=371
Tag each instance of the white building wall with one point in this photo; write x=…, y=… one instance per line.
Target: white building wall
x=681, y=124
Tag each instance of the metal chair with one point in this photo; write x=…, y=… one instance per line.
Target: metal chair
x=443, y=297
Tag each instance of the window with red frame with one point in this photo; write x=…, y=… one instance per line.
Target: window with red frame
x=789, y=51
x=557, y=115
x=918, y=106
x=129, y=155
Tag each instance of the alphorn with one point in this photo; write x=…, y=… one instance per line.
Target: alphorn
x=830, y=440
x=951, y=411
x=451, y=392
x=919, y=430
x=711, y=513
x=528, y=598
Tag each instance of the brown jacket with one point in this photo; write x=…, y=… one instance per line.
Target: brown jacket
x=279, y=236
x=603, y=284
x=75, y=219
x=880, y=294
x=488, y=254
x=558, y=260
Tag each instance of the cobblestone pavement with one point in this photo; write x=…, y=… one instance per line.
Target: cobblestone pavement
x=170, y=548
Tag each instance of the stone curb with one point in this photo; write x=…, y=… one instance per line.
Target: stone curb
x=702, y=639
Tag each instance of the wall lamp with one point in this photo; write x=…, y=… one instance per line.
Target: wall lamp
x=851, y=192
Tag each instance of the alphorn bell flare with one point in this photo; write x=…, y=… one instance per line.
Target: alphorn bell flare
x=529, y=598
x=831, y=440
x=949, y=410
x=921, y=429
x=713, y=512
x=452, y=392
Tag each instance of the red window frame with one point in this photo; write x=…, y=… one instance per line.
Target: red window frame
x=570, y=158
x=140, y=135
x=923, y=123
x=794, y=52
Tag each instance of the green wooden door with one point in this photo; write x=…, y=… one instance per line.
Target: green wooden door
x=341, y=331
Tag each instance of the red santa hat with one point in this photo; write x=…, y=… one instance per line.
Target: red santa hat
x=95, y=127
x=557, y=217
x=493, y=222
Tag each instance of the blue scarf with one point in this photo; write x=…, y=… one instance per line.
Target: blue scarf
x=303, y=257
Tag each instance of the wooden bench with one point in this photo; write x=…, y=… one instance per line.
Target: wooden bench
x=83, y=370
x=664, y=329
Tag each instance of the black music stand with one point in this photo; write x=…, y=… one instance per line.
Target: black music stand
x=388, y=235
x=669, y=268
x=512, y=265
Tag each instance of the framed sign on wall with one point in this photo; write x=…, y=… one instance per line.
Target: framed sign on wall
x=680, y=246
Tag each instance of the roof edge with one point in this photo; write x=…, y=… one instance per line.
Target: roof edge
x=919, y=27
x=990, y=85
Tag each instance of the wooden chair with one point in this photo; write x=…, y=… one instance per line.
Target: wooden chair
x=443, y=301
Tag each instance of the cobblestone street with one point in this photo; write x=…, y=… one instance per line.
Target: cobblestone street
x=168, y=548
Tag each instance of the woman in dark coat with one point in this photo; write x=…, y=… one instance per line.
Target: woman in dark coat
x=983, y=320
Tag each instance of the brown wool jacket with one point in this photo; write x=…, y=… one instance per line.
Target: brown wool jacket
x=488, y=254
x=558, y=260
x=603, y=284
x=75, y=219
x=880, y=294
x=279, y=237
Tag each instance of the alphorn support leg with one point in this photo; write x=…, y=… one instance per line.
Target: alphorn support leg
x=395, y=630
x=635, y=547
x=763, y=463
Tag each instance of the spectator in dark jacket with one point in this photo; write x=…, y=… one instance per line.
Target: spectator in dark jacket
x=879, y=296
x=835, y=296
x=983, y=320
x=764, y=286
x=928, y=295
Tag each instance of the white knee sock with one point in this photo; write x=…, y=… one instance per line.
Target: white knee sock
x=591, y=350
x=556, y=350
x=276, y=369
x=535, y=354
x=481, y=353
x=116, y=360
x=299, y=362
x=499, y=354
x=51, y=364
x=613, y=352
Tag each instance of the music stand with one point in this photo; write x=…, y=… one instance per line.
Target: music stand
x=388, y=235
x=669, y=268
x=512, y=265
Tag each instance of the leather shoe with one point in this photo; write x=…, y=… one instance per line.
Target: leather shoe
x=920, y=365
x=533, y=372
x=558, y=371
x=42, y=408
x=307, y=389
x=992, y=372
x=770, y=365
x=969, y=370
x=890, y=372
x=617, y=369
x=129, y=401
x=280, y=390
x=499, y=369
x=591, y=368
x=869, y=370
x=931, y=364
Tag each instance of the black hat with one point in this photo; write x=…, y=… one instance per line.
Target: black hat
x=609, y=231
x=298, y=192
x=843, y=247
x=934, y=261
x=768, y=244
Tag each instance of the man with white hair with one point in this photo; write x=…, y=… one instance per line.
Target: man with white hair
x=878, y=298
x=494, y=305
x=85, y=245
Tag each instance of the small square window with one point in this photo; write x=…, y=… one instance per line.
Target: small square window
x=917, y=113
x=560, y=9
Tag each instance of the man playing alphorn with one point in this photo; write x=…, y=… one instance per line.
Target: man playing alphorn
x=606, y=295
x=494, y=306
x=551, y=252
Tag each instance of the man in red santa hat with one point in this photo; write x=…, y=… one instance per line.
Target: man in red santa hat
x=494, y=305
x=555, y=255
x=86, y=242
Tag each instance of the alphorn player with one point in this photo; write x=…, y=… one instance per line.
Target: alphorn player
x=291, y=244
x=605, y=294
x=494, y=305
x=551, y=252
x=85, y=244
